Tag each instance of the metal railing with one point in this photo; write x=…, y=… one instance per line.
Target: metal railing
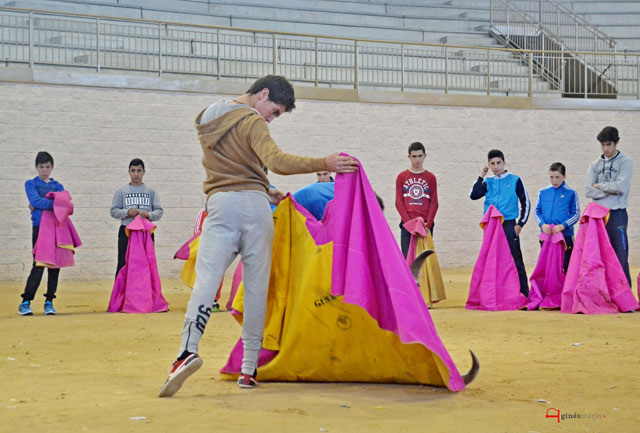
x=548, y=25
x=43, y=39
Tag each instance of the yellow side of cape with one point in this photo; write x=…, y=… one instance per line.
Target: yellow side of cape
x=188, y=273
x=430, y=279
x=320, y=338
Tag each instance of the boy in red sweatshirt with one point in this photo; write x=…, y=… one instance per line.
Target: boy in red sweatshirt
x=416, y=194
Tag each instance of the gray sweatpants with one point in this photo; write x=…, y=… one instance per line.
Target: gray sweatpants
x=238, y=222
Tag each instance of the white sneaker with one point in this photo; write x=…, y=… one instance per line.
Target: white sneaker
x=180, y=371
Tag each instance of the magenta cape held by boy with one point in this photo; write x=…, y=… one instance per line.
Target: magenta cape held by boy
x=57, y=238
x=494, y=283
x=137, y=288
x=343, y=305
x=547, y=278
x=595, y=282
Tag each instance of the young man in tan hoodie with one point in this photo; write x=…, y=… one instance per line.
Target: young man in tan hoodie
x=237, y=151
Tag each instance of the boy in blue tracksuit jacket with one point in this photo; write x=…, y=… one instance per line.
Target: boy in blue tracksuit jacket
x=558, y=205
x=505, y=190
x=37, y=189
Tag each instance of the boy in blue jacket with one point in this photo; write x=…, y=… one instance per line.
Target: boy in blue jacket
x=504, y=190
x=558, y=205
x=36, y=189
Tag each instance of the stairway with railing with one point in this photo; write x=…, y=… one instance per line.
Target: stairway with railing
x=575, y=57
x=81, y=42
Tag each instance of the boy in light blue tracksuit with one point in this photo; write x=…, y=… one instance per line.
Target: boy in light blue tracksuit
x=558, y=205
x=506, y=192
x=608, y=183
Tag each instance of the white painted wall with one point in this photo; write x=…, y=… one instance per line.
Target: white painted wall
x=92, y=134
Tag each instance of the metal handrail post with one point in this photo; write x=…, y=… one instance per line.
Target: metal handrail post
x=30, y=40
x=316, y=61
x=218, y=52
x=491, y=13
x=275, y=63
x=562, y=67
x=446, y=71
x=159, y=49
x=402, y=68
x=488, y=73
x=508, y=35
x=530, y=61
x=585, y=80
x=98, y=44
x=615, y=67
x=355, y=65
x=540, y=11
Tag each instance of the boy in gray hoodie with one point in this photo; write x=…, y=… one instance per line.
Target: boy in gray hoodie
x=608, y=183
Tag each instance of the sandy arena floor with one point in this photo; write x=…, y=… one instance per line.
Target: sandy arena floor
x=87, y=370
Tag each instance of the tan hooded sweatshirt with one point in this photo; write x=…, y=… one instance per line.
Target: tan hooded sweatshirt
x=237, y=147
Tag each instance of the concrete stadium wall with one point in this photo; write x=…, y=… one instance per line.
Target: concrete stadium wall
x=93, y=133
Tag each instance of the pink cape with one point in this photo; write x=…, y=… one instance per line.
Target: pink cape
x=547, y=278
x=57, y=237
x=416, y=228
x=368, y=270
x=137, y=288
x=595, y=282
x=494, y=283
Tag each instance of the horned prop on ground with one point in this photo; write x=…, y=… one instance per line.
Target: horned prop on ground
x=415, y=270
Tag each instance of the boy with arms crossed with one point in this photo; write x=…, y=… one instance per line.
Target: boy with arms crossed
x=37, y=189
x=608, y=183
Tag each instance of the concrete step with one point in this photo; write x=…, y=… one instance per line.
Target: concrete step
x=622, y=31
x=439, y=11
x=581, y=7
x=477, y=4
x=327, y=5
x=89, y=9
x=612, y=18
x=477, y=40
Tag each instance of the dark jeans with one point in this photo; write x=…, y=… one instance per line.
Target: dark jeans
x=516, y=253
x=123, y=243
x=567, y=253
x=568, y=240
x=405, y=239
x=617, y=231
x=35, y=276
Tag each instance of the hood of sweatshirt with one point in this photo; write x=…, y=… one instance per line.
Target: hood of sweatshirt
x=215, y=129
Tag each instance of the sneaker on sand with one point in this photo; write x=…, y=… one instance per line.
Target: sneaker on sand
x=180, y=371
x=247, y=381
x=215, y=308
x=48, y=309
x=25, y=309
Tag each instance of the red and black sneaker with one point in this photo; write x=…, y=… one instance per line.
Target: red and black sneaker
x=180, y=371
x=247, y=381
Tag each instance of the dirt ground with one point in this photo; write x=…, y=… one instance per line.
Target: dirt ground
x=88, y=370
